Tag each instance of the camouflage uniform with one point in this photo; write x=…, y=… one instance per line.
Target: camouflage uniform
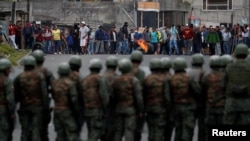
x=75, y=63
x=155, y=101
x=225, y=60
x=31, y=93
x=66, y=101
x=109, y=76
x=196, y=73
x=248, y=57
x=237, y=85
x=95, y=100
x=136, y=59
x=7, y=102
x=129, y=103
x=39, y=56
x=184, y=91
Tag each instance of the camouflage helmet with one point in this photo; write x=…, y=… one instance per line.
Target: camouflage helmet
x=136, y=55
x=215, y=61
x=112, y=61
x=29, y=61
x=166, y=63
x=38, y=54
x=4, y=64
x=95, y=64
x=197, y=59
x=226, y=59
x=63, y=69
x=125, y=65
x=179, y=64
x=155, y=63
x=75, y=60
x=241, y=49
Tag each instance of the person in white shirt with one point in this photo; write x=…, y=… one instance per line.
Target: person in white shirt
x=83, y=37
x=226, y=41
x=91, y=46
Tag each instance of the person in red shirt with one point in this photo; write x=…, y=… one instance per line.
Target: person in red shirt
x=188, y=35
x=18, y=34
x=47, y=36
x=12, y=34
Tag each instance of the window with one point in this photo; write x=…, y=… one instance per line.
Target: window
x=217, y=4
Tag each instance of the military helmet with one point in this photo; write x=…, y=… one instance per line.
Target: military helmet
x=166, y=63
x=226, y=59
x=112, y=61
x=75, y=60
x=136, y=55
x=38, y=54
x=215, y=61
x=155, y=63
x=197, y=59
x=4, y=64
x=249, y=51
x=95, y=64
x=241, y=49
x=63, y=69
x=125, y=65
x=179, y=64
x=29, y=61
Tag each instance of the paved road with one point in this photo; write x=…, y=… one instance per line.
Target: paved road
x=52, y=61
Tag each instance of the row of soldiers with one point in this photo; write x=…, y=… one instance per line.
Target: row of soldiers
x=117, y=105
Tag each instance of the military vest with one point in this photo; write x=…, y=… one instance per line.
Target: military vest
x=214, y=89
x=154, y=90
x=60, y=93
x=74, y=75
x=124, y=90
x=109, y=80
x=2, y=93
x=90, y=88
x=180, y=88
x=30, y=88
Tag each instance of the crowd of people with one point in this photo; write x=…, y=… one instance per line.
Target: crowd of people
x=175, y=39
x=116, y=104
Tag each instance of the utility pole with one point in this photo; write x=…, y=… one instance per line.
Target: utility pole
x=13, y=11
x=135, y=12
x=28, y=10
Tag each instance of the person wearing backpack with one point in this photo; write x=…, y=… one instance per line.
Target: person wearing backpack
x=27, y=32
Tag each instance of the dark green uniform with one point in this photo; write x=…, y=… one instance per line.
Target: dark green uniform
x=66, y=102
x=31, y=93
x=7, y=102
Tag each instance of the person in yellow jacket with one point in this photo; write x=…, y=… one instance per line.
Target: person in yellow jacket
x=56, y=39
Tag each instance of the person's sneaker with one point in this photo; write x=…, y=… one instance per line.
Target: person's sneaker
x=55, y=53
x=59, y=53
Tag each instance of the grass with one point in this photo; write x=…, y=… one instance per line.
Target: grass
x=13, y=55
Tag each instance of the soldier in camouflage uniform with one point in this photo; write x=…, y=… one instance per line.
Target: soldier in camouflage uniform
x=95, y=100
x=31, y=93
x=184, y=91
x=196, y=72
x=75, y=64
x=7, y=101
x=214, y=93
x=237, y=85
x=225, y=60
x=166, y=64
x=109, y=76
x=155, y=101
x=128, y=102
x=66, y=101
x=136, y=59
x=39, y=56
x=248, y=57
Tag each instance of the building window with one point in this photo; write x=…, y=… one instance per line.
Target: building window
x=217, y=4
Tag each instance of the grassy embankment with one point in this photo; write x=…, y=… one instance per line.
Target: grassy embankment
x=12, y=54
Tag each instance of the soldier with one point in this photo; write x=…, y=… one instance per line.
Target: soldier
x=109, y=76
x=248, y=57
x=7, y=101
x=196, y=72
x=95, y=100
x=75, y=64
x=155, y=101
x=136, y=59
x=166, y=64
x=39, y=56
x=128, y=102
x=184, y=91
x=237, y=85
x=66, y=100
x=213, y=90
x=31, y=93
x=225, y=60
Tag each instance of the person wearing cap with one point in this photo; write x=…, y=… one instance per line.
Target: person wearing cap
x=83, y=36
x=212, y=38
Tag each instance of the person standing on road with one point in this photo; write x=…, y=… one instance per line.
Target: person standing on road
x=31, y=93
x=212, y=39
x=113, y=40
x=84, y=30
x=7, y=101
x=56, y=33
x=47, y=36
x=128, y=102
x=124, y=31
x=65, y=96
x=188, y=35
x=99, y=38
x=12, y=34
